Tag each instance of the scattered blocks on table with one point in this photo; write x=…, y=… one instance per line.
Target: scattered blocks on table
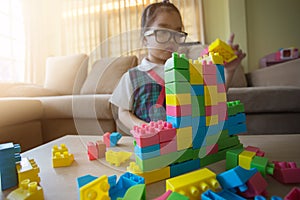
x=96, y=150
x=245, y=158
x=286, y=172
x=61, y=156
x=117, y=158
x=95, y=189
x=28, y=169
x=27, y=191
x=193, y=184
x=9, y=155
x=111, y=139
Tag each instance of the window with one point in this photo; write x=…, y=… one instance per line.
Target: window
x=12, y=41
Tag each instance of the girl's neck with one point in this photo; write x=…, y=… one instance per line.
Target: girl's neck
x=155, y=60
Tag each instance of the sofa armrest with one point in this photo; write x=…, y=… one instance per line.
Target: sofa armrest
x=283, y=74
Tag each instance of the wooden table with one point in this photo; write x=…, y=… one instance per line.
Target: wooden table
x=60, y=183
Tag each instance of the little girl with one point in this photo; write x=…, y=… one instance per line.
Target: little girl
x=140, y=93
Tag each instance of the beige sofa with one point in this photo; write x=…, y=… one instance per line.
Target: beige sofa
x=74, y=100
x=70, y=102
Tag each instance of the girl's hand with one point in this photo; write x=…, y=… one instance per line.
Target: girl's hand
x=233, y=65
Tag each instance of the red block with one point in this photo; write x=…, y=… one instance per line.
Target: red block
x=256, y=150
x=257, y=185
x=92, y=151
x=294, y=194
x=286, y=172
x=145, y=135
x=168, y=147
x=212, y=149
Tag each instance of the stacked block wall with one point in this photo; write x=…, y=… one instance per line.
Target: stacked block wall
x=204, y=125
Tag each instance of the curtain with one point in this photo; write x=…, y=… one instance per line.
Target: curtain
x=99, y=28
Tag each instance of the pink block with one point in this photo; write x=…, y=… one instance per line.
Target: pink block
x=294, y=194
x=256, y=150
x=106, y=139
x=209, y=68
x=164, y=196
x=145, y=135
x=92, y=151
x=212, y=149
x=168, y=147
x=257, y=185
x=178, y=111
x=211, y=110
x=222, y=111
x=221, y=88
x=286, y=172
x=210, y=79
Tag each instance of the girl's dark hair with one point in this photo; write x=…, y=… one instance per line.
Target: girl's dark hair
x=150, y=12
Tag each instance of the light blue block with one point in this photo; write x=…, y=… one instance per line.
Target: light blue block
x=197, y=90
x=198, y=137
x=180, y=122
x=237, y=129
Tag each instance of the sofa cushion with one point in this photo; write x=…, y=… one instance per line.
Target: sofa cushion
x=77, y=106
x=66, y=74
x=267, y=99
x=27, y=90
x=106, y=73
x=19, y=110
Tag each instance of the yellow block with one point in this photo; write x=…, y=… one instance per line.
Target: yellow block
x=212, y=120
x=97, y=189
x=151, y=176
x=28, y=169
x=223, y=49
x=178, y=99
x=196, y=72
x=62, y=159
x=245, y=159
x=184, y=137
x=28, y=190
x=210, y=95
x=193, y=184
x=222, y=97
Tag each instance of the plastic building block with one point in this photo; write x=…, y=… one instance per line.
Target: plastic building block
x=145, y=135
x=27, y=191
x=262, y=165
x=286, y=172
x=177, y=62
x=223, y=195
x=256, y=150
x=177, y=196
x=28, y=169
x=62, y=148
x=83, y=180
x=116, y=158
x=184, y=167
x=180, y=75
x=178, y=99
x=126, y=180
x=184, y=138
x=96, y=189
x=236, y=178
x=232, y=158
x=196, y=72
x=245, y=158
x=135, y=192
x=257, y=185
x=224, y=50
x=92, y=151
x=106, y=139
x=260, y=197
x=183, y=110
x=294, y=194
x=114, y=138
x=193, y=184
x=9, y=155
x=62, y=159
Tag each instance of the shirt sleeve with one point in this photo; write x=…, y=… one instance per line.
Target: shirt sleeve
x=123, y=94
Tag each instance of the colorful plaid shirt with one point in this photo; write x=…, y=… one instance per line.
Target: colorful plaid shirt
x=145, y=95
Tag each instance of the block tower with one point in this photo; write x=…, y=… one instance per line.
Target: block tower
x=200, y=125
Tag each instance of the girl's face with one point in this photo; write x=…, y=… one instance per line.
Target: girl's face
x=160, y=51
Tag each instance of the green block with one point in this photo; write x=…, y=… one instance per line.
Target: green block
x=262, y=165
x=177, y=75
x=229, y=142
x=135, y=192
x=157, y=162
x=224, y=135
x=177, y=196
x=185, y=155
x=213, y=158
x=232, y=158
x=235, y=107
x=199, y=153
x=212, y=139
x=177, y=88
x=198, y=107
x=177, y=62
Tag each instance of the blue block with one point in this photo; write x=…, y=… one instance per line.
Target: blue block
x=220, y=74
x=236, y=119
x=214, y=129
x=124, y=183
x=197, y=90
x=147, y=152
x=184, y=167
x=83, y=180
x=235, y=178
x=223, y=195
x=180, y=122
x=198, y=122
x=198, y=137
x=237, y=129
x=114, y=138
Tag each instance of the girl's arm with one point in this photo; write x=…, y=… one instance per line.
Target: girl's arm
x=129, y=119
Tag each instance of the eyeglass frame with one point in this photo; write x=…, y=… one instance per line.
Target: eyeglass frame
x=172, y=35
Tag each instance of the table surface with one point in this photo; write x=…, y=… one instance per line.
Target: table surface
x=60, y=183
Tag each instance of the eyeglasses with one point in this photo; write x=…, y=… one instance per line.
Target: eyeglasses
x=163, y=36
